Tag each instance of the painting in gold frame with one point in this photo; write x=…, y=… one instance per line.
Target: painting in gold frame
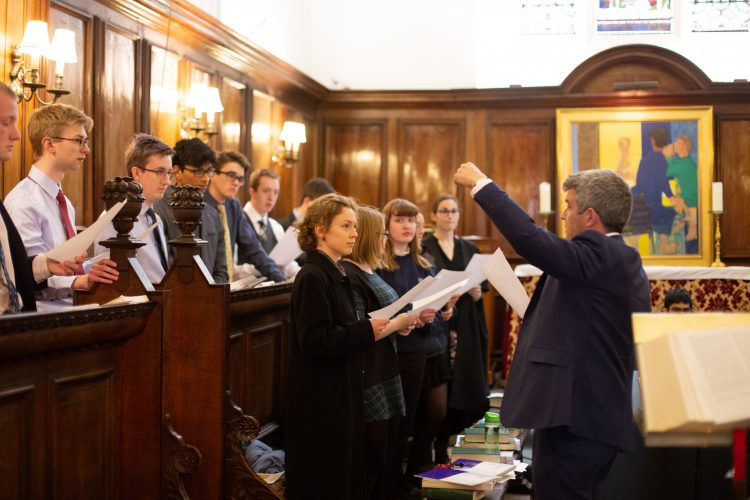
x=665, y=154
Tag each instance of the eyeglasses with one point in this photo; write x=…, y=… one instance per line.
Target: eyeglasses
x=161, y=173
x=386, y=233
x=82, y=142
x=232, y=176
x=200, y=173
x=446, y=211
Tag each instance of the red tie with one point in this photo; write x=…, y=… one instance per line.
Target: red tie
x=69, y=229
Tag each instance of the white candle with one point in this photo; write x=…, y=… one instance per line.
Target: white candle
x=717, y=197
x=545, y=197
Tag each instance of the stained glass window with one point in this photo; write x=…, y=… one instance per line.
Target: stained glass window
x=634, y=16
x=547, y=17
x=721, y=15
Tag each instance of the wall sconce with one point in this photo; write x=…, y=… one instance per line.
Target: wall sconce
x=202, y=99
x=292, y=135
x=36, y=44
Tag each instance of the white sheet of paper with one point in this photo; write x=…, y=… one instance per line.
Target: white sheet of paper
x=81, y=242
x=142, y=236
x=287, y=249
x=245, y=282
x=388, y=311
x=500, y=274
x=474, y=271
x=438, y=299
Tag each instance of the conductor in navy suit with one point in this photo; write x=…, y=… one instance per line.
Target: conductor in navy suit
x=570, y=379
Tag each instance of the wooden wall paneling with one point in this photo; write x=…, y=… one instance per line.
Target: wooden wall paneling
x=115, y=106
x=238, y=366
x=261, y=136
x=473, y=221
x=265, y=352
x=733, y=169
x=78, y=185
x=82, y=402
x=355, y=159
x=520, y=157
x=429, y=151
x=164, y=114
x=233, y=119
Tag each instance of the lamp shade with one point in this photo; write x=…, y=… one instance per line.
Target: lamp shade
x=212, y=101
x=196, y=98
x=293, y=132
x=63, y=47
x=35, y=39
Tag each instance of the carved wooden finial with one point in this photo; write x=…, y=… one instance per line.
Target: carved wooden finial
x=187, y=204
x=116, y=190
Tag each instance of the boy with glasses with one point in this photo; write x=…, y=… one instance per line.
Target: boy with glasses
x=231, y=169
x=193, y=164
x=149, y=162
x=44, y=216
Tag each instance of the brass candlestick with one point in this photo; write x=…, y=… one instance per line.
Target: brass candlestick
x=717, y=240
x=545, y=217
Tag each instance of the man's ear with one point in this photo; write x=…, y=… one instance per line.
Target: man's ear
x=590, y=217
x=135, y=173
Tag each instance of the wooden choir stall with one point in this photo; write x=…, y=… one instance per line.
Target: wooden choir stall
x=147, y=399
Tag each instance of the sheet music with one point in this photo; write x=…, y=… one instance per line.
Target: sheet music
x=498, y=271
x=245, y=282
x=142, y=236
x=287, y=249
x=81, y=242
x=474, y=271
x=440, y=298
x=388, y=311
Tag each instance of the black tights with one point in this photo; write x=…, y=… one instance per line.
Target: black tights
x=433, y=405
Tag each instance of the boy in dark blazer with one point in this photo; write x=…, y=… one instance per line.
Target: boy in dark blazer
x=571, y=375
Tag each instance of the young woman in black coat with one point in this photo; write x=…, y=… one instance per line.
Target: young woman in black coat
x=468, y=388
x=384, y=396
x=324, y=431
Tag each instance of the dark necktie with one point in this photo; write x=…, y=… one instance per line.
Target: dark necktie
x=15, y=304
x=266, y=235
x=157, y=236
x=69, y=229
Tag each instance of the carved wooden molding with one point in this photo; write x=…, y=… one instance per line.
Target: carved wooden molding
x=241, y=480
x=178, y=460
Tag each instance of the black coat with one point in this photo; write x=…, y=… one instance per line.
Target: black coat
x=325, y=447
x=24, y=279
x=468, y=389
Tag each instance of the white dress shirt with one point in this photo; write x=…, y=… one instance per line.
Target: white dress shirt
x=32, y=205
x=148, y=255
x=292, y=268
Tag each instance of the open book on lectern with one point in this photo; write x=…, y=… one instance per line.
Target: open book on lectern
x=694, y=371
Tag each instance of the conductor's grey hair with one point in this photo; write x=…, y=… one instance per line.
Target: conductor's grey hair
x=604, y=191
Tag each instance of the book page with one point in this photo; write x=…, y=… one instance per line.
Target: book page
x=498, y=271
x=718, y=365
x=81, y=242
x=287, y=249
x=142, y=236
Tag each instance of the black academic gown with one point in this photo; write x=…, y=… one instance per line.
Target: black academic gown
x=324, y=433
x=468, y=388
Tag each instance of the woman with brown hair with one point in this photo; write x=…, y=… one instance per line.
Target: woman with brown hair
x=325, y=446
x=383, y=397
x=422, y=360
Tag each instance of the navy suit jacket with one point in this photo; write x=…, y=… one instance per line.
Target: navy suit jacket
x=24, y=279
x=574, y=361
x=249, y=248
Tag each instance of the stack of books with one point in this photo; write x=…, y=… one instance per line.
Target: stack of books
x=467, y=479
x=472, y=445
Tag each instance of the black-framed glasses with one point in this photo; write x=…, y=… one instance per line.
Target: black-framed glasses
x=160, y=173
x=82, y=141
x=451, y=211
x=232, y=176
x=199, y=173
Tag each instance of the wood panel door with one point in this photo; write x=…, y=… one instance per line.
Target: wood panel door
x=520, y=157
x=734, y=168
x=355, y=159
